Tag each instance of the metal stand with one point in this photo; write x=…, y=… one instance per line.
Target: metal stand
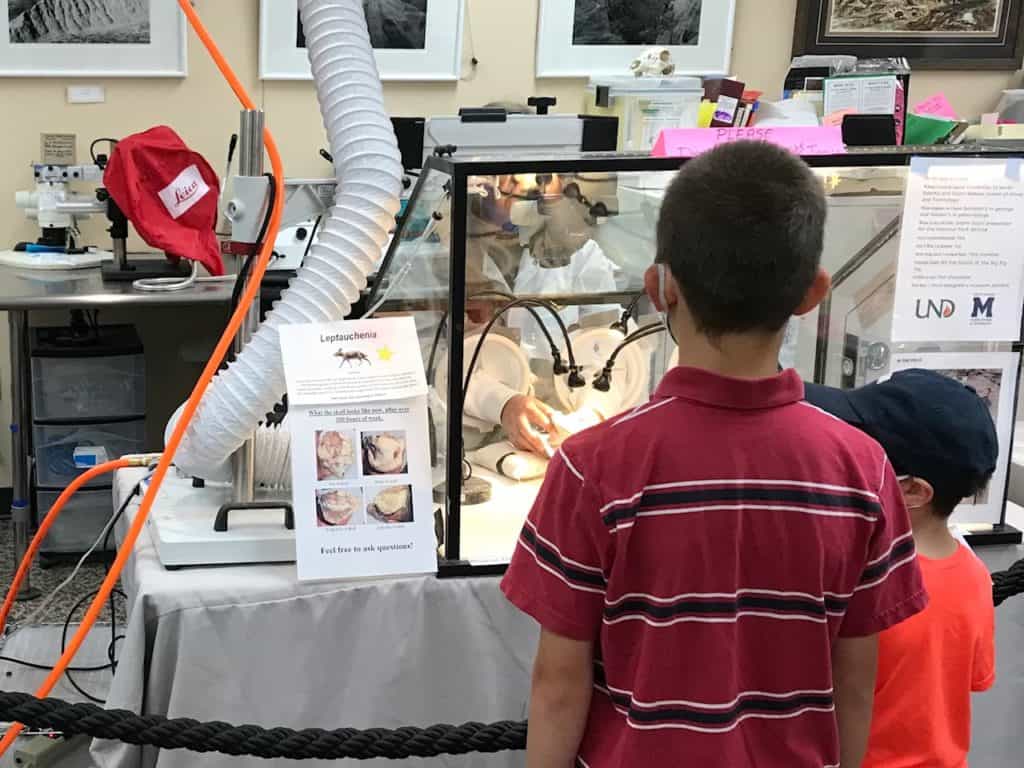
x=250, y=163
x=21, y=506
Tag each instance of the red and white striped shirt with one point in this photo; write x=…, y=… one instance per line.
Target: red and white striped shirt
x=714, y=543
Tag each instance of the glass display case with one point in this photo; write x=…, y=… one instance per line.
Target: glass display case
x=525, y=278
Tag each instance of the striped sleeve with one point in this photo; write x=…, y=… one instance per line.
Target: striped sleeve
x=890, y=589
x=557, y=574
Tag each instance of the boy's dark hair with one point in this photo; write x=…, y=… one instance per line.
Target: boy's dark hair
x=946, y=499
x=742, y=229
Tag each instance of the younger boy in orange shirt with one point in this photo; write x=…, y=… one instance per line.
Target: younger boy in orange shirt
x=941, y=441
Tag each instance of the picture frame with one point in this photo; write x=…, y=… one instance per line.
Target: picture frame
x=587, y=38
x=991, y=37
x=153, y=45
x=428, y=51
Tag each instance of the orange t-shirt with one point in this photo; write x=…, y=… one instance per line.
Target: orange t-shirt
x=929, y=664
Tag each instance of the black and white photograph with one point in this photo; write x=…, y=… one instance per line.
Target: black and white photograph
x=987, y=382
x=411, y=39
x=931, y=34
x=94, y=38
x=637, y=22
x=924, y=16
x=93, y=22
x=393, y=24
x=602, y=38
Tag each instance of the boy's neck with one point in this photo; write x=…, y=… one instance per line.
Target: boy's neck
x=737, y=355
x=932, y=536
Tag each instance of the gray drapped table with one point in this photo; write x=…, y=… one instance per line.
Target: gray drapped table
x=249, y=644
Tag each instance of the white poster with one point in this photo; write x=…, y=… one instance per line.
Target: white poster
x=961, y=260
x=992, y=375
x=360, y=455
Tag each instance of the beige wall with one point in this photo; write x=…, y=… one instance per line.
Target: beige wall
x=204, y=112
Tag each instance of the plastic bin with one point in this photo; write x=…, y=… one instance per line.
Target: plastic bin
x=96, y=378
x=646, y=106
x=54, y=446
x=80, y=523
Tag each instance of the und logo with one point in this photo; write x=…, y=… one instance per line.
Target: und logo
x=942, y=308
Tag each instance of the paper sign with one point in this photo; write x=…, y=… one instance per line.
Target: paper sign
x=690, y=142
x=353, y=361
x=868, y=95
x=993, y=376
x=361, y=482
x=936, y=106
x=961, y=266
x=57, y=148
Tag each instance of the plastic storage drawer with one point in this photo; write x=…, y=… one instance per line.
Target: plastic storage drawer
x=54, y=447
x=80, y=523
x=66, y=388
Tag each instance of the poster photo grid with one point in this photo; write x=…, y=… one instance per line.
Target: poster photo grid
x=362, y=478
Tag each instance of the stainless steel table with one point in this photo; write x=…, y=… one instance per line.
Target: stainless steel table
x=25, y=290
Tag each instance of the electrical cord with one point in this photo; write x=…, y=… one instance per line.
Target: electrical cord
x=92, y=148
x=64, y=639
x=603, y=379
x=243, y=273
x=48, y=667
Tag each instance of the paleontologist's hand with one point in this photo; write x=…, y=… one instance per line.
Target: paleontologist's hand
x=526, y=420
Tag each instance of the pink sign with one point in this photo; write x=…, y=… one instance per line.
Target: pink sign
x=690, y=142
x=936, y=106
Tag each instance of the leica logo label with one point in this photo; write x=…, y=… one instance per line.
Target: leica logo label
x=187, y=189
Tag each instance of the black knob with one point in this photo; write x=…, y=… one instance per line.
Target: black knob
x=542, y=103
x=603, y=381
x=301, y=233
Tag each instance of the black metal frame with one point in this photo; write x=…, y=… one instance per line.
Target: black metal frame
x=459, y=171
x=924, y=53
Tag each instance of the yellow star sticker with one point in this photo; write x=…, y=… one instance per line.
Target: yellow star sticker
x=384, y=354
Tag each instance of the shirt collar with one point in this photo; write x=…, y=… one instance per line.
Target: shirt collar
x=725, y=392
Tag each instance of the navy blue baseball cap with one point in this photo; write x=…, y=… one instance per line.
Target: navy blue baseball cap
x=930, y=425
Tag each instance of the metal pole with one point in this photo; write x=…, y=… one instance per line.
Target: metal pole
x=21, y=507
x=250, y=163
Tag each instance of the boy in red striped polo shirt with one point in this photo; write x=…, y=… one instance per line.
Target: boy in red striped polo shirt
x=710, y=570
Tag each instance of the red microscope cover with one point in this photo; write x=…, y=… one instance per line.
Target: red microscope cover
x=169, y=193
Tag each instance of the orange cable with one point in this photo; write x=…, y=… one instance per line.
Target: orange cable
x=44, y=528
x=212, y=365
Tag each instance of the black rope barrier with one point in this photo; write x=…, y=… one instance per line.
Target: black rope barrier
x=254, y=741
x=308, y=743
x=1008, y=583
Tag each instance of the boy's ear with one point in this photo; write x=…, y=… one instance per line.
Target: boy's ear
x=816, y=293
x=651, y=288
x=917, y=493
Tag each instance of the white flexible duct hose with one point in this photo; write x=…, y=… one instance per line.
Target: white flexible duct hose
x=369, y=172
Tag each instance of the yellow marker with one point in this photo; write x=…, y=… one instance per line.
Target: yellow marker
x=706, y=113
x=384, y=354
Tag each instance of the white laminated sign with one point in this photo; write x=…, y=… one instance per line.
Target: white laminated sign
x=357, y=409
x=961, y=263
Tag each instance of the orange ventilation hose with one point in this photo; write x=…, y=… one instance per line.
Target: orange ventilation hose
x=128, y=545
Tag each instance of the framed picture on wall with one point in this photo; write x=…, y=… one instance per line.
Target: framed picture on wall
x=939, y=34
x=584, y=38
x=101, y=38
x=412, y=39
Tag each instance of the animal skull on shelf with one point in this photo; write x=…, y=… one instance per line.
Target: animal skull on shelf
x=656, y=62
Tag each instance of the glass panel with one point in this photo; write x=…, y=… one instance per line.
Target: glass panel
x=415, y=282
x=549, y=257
